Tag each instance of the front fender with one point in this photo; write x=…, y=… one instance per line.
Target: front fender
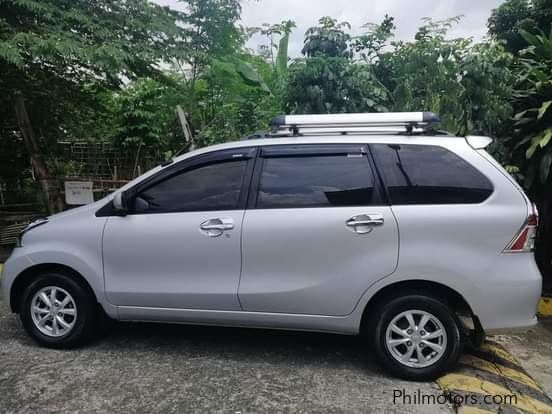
x=86, y=263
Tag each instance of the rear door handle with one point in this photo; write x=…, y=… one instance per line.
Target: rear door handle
x=364, y=223
x=216, y=226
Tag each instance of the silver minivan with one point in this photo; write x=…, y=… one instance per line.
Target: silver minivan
x=372, y=224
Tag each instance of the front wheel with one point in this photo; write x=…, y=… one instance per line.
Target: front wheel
x=417, y=337
x=57, y=311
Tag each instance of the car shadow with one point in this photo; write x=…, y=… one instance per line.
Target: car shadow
x=240, y=344
x=153, y=341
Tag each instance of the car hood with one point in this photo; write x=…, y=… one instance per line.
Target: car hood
x=86, y=209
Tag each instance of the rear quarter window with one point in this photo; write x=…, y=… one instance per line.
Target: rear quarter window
x=429, y=174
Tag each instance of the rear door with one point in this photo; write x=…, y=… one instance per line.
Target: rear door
x=316, y=233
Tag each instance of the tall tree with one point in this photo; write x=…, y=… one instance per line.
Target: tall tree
x=211, y=34
x=144, y=118
x=328, y=39
x=511, y=17
x=468, y=84
x=369, y=45
x=55, y=55
x=327, y=79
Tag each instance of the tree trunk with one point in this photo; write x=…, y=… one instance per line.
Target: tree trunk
x=49, y=187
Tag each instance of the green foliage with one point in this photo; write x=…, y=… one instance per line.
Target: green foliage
x=534, y=97
x=271, y=33
x=145, y=116
x=211, y=32
x=250, y=75
x=73, y=60
x=328, y=39
x=525, y=28
x=232, y=99
x=223, y=85
x=513, y=16
x=369, y=45
x=333, y=85
x=468, y=84
x=79, y=40
x=327, y=80
x=271, y=74
x=65, y=58
x=92, y=70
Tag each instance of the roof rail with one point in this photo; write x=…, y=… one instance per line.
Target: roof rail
x=380, y=123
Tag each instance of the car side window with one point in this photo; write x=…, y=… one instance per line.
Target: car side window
x=209, y=187
x=316, y=181
x=429, y=174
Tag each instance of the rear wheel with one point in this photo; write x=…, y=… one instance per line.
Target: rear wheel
x=57, y=311
x=417, y=337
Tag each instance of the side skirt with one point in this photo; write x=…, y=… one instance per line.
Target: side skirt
x=317, y=323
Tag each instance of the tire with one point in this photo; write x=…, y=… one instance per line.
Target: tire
x=441, y=331
x=76, y=307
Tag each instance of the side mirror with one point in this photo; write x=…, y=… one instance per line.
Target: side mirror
x=119, y=203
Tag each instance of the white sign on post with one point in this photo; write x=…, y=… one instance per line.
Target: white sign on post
x=78, y=192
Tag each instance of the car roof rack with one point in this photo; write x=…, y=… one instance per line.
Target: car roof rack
x=357, y=123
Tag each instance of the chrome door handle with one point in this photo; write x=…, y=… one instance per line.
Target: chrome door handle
x=216, y=226
x=364, y=223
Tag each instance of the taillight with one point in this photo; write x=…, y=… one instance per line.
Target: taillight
x=524, y=241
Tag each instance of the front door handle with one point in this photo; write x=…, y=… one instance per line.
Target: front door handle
x=216, y=226
x=364, y=223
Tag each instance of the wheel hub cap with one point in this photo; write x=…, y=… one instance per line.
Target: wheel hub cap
x=416, y=338
x=53, y=311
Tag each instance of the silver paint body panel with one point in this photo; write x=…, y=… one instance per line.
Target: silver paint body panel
x=164, y=260
x=295, y=268
x=306, y=260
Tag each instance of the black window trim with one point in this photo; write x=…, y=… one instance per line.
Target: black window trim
x=380, y=183
x=381, y=173
x=255, y=156
x=215, y=157
x=312, y=150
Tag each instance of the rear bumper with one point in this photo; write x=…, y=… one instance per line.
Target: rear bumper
x=512, y=330
x=508, y=297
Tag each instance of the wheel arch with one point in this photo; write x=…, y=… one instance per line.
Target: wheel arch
x=26, y=276
x=439, y=291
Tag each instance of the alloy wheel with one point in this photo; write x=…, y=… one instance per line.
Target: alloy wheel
x=53, y=311
x=416, y=338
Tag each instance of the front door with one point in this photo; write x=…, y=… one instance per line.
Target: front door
x=179, y=246
x=317, y=234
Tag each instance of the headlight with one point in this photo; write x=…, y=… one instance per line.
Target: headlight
x=30, y=226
